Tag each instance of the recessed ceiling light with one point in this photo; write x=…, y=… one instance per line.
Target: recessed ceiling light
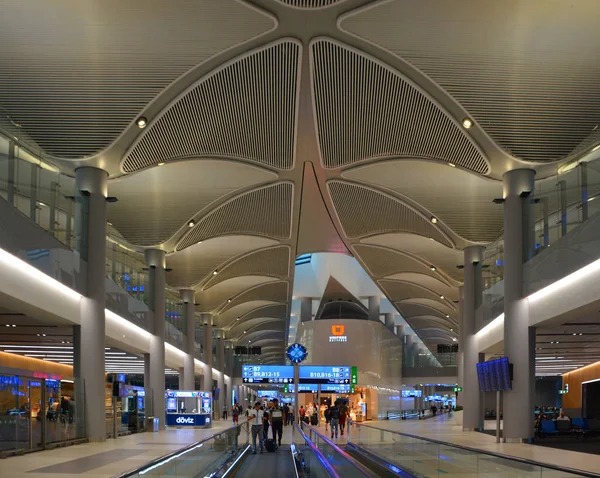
x=454, y=339
x=451, y=330
x=8, y=325
x=14, y=325
x=237, y=318
x=141, y=122
x=467, y=123
x=41, y=204
x=442, y=297
x=432, y=268
x=447, y=316
x=574, y=333
x=228, y=301
x=192, y=223
x=161, y=164
x=215, y=273
x=244, y=331
x=452, y=165
x=434, y=219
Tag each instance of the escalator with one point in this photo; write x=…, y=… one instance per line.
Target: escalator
x=278, y=464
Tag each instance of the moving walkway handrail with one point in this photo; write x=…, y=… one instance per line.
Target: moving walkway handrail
x=360, y=467
x=168, y=457
x=488, y=452
x=328, y=468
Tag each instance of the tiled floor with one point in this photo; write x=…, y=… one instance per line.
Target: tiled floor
x=449, y=429
x=107, y=459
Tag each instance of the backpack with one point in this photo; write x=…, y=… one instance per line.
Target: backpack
x=334, y=413
x=327, y=414
x=270, y=445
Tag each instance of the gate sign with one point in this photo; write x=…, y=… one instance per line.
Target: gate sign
x=325, y=374
x=268, y=374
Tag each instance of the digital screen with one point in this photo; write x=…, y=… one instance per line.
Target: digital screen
x=267, y=373
x=121, y=377
x=321, y=374
x=304, y=388
x=494, y=375
x=325, y=388
x=412, y=393
x=267, y=393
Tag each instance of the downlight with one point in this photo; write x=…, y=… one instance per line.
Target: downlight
x=433, y=220
x=192, y=223
x=141, y=122
x=467, y=123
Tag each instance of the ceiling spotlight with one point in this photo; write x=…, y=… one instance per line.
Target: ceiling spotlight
x=467, y=123
x=192, y=223
x=40, y=203
x=447, y=316
x=454, y=339
x=451, y=330
x=580, y=334
x=442, y=297
x=574, y=333
x=8, y=325
x=434, y=220
x=161, y=164
x=452, y=165
x=237, y=319
x=141, y=122
x=244, y=331
x=432, y=268
x=215, y=273
x=14, y=325
x=228, y=301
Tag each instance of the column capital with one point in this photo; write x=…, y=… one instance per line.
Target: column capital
x=473, y=254
x=517, y=181
x=155, y=258
x=187, y=295
x=92, y=180
x=206, y=318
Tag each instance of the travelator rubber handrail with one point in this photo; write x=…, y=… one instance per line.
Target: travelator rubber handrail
x=328, y=468
x=525, y=461
x=175, y=454
x=359, y=466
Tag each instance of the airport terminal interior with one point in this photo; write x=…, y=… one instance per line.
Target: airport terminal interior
x=299, y=238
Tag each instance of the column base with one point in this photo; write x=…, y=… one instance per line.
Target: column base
x=472, y=429
x=517, y=440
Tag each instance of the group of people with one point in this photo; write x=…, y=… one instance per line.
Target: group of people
x=335, y=418
x=261, y=418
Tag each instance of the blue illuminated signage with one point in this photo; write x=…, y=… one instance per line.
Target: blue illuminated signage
x=296, y=353
x=268, y=393
x=412, y=393
x=324, y=374
x=325, y=388
x=267, y=373
x=187, y=420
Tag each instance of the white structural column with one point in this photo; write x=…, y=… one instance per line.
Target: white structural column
x=409, y=351
x=460, y=356
x=90, y=242
x=155, y=259
x=519, y=338
x=374, y=308
x=389, y=321
x=473, y=259
x=208, y=352
x=187, y=296
x=305, y=309
x=221, y=374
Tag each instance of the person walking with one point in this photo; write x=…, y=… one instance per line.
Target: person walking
x=276, y=421
x=327, y=415
x=334, y=419
x=343, y=415
x=255, y=417
x=235, y=413
x=302, y=413
x=286, y=414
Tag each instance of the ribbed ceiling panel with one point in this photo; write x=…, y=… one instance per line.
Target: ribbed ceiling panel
x=273, y=262
x=526, y=70
x=150, y=209
x=367, y=110
x=383, y=262
x=263, y=212
x=246, y=110
x=75, y=73
x=462, y=200
x=275, y=291
x=310, y=4
x=279, y=311
x=364, y=211
x=409, y=310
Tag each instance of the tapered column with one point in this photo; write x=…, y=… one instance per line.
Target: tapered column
x=187, y=296
x=90, y=197
x=182, y=379
x=155, y=259
x=305, y=309
x=389, y=321
x=473, y=260
x=374, y=308
x=221, y=374
x=460, y=356
x=409, y=351
x=208, y=352
x=519, y=338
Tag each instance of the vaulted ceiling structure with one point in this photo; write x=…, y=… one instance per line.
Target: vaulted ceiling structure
x=281, y=127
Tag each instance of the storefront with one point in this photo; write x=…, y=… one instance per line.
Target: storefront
x=188, y=408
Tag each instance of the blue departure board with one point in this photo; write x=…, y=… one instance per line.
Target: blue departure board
x=325, y=374
x=325, y=388
x=267, y=373
x=494, y=375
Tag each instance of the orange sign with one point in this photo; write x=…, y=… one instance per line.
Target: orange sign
x=337, y=330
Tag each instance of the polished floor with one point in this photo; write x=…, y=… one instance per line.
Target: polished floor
x=107, y=459
x=453, y=461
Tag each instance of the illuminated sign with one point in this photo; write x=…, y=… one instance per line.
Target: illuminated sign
x=324, y=374
x=337, y=334
x=267, y=393
x=412, y=393
x=268, y=373
x=325, y=388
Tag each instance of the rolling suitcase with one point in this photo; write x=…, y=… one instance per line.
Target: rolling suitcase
x=270, y=445
x=313, y=420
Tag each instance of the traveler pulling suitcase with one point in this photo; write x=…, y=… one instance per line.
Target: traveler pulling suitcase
x=270, y=445
x=313, y=420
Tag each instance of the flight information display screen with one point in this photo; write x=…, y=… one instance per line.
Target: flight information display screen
x=268, y=373
x=494, y=375
x=412, y=393
x=325, y=374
